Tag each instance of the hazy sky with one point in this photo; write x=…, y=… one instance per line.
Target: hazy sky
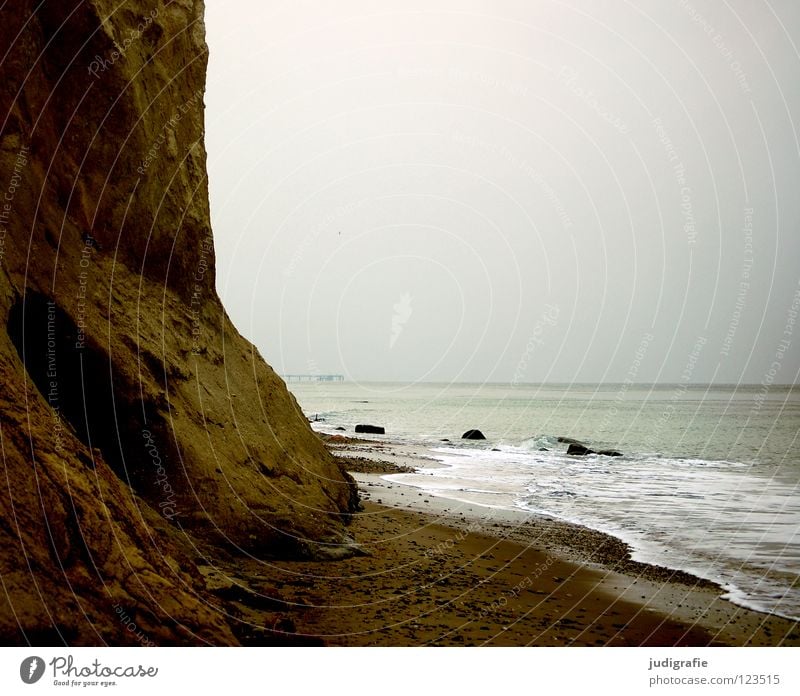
x=509, y=190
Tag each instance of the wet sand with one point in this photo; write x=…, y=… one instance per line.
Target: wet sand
x=439, y=572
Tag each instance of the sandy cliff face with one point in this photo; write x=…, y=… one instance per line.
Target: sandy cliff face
x=134, y=416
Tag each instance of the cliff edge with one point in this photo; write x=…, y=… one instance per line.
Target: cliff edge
x=135, y=420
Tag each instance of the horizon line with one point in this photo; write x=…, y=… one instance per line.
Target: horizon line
x=349, y=380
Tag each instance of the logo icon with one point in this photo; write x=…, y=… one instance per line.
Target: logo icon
x=402, y=313
x=31, y=670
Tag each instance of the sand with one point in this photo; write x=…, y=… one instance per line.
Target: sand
x=441, y=573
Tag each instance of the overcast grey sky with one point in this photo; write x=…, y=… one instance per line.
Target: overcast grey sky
x=509, y=190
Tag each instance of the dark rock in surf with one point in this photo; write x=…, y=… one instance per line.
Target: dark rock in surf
x=473, y=435
x=578, y=450
x=610, y=453
x=371, y=429
x=341, y=428
x=570, y=441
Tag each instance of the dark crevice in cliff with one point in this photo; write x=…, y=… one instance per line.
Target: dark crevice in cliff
x=76, y=379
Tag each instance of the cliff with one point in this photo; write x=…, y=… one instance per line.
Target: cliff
x=136, y=422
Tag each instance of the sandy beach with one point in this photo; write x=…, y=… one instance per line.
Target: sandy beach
x=436, y=572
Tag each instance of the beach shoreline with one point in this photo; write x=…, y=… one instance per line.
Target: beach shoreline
x=444, y=572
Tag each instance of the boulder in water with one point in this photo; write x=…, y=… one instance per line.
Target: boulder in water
x=473, y=435
x=578, y=450
x=371, y=429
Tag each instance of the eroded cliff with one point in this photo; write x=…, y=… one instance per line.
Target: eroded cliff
x=135, y=419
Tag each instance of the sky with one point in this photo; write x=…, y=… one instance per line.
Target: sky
x=509, y=191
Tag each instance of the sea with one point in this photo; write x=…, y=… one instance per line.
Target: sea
x=709, y=480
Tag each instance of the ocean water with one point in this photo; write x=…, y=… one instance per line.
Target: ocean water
x=709, y=482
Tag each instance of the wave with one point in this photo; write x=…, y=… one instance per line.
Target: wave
x=537, y=443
